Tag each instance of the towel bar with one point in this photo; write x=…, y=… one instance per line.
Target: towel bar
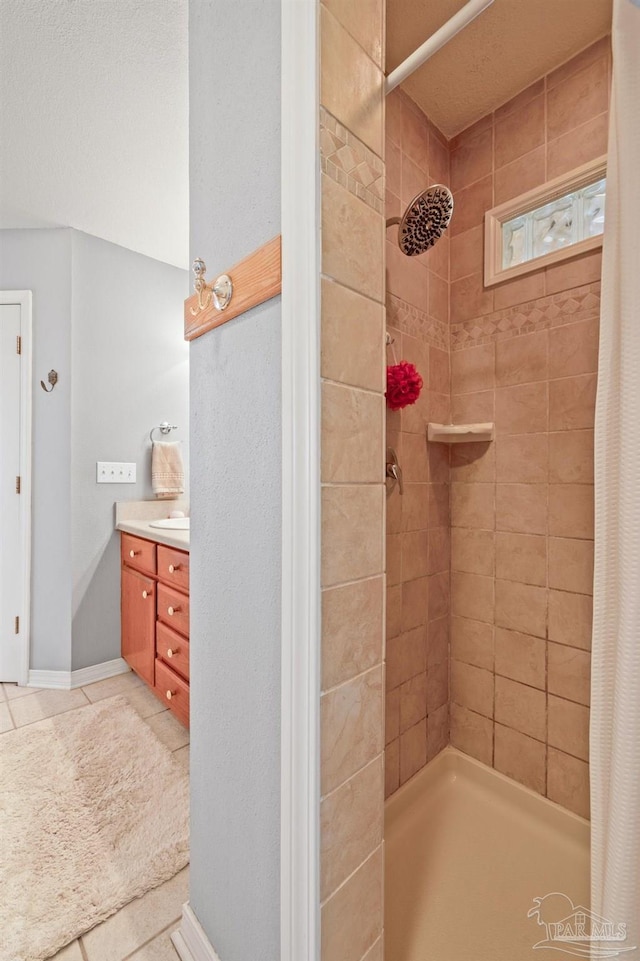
x=165, y=428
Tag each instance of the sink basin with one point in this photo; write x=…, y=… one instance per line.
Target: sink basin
x=172, y=523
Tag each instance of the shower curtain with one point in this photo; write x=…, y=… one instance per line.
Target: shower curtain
x=615, y=705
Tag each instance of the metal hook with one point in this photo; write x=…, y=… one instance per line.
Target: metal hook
x=53, y=380
x=220, y=291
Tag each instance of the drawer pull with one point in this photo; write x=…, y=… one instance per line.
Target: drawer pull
x=146, y=594
x=170, y=694
x=173, y=610
x=174, y=567
x=173, y=653
x=134, y=553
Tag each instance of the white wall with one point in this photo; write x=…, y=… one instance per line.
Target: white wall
x=236, y=489
x=40, y=260
x=94, y=118
x=130, y=371
x=110, y=322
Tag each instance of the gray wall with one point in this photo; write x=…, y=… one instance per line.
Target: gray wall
x=40, y=261
x=110, y=322
x=236, y=488
x=130, y=370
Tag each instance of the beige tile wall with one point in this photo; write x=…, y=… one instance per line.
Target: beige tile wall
x=555, y=125
x=352, y=469
x=525, y=354
x=418, y=533
x=502, y=534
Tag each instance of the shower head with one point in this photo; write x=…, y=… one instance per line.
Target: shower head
x=424, y=221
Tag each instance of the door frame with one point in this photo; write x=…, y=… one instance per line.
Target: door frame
x=300, y=699
x=23, y=299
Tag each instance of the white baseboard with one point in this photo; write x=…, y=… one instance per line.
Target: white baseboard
x=190, y=941
x=99, y=672
x=67, y=680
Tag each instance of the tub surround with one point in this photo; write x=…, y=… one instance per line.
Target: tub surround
x=352, y=471
x=525, y=354
x=518, y=513
x=418, y=531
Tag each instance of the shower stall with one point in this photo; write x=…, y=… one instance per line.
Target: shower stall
x=488, y=554
x=488, y=542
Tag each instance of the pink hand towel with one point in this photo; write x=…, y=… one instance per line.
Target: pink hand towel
x=167, y=470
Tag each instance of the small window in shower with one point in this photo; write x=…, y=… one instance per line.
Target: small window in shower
x=550, y=223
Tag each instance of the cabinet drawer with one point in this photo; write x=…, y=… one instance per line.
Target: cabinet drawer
x=173, y=690
x=173, y=649
x=138, y=553
x=173, y=567
x=173, y=609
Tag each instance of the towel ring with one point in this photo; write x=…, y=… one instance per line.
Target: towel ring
x=165, y=428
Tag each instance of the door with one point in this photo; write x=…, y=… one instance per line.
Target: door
x=15, y=442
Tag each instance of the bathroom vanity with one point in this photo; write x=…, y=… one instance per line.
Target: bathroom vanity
x=155, y=612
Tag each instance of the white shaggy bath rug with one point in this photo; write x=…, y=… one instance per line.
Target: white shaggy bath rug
x=94, y=812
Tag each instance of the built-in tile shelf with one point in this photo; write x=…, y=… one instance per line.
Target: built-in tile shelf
x=460, y=433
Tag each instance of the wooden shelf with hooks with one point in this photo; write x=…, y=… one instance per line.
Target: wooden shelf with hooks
x=255, y=279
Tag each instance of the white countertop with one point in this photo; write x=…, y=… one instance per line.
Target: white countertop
x=177, y=539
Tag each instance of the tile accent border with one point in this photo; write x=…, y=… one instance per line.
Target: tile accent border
x=569, y=306
x=416, y=323
x=350, y=163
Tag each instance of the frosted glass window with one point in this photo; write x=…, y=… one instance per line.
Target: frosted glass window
x=593, y=210
x=565, y=221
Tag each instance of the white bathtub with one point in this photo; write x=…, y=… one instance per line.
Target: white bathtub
x=467, y=850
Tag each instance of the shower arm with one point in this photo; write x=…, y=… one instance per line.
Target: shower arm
x=393, y=220
x=442, y=36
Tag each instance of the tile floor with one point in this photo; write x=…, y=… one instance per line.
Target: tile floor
x=141, y=930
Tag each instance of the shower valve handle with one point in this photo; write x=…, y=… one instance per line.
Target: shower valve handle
x=394, y=470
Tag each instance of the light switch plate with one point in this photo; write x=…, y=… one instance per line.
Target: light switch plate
x=108, y=472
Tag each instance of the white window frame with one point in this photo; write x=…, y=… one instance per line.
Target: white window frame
x=494, y=272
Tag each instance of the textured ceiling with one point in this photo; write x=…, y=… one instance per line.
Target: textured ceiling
x=94, y=119
x=510, y=45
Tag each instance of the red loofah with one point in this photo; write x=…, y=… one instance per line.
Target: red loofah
x=404, y=384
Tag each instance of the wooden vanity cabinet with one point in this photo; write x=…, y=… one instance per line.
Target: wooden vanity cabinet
x=155, y=619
